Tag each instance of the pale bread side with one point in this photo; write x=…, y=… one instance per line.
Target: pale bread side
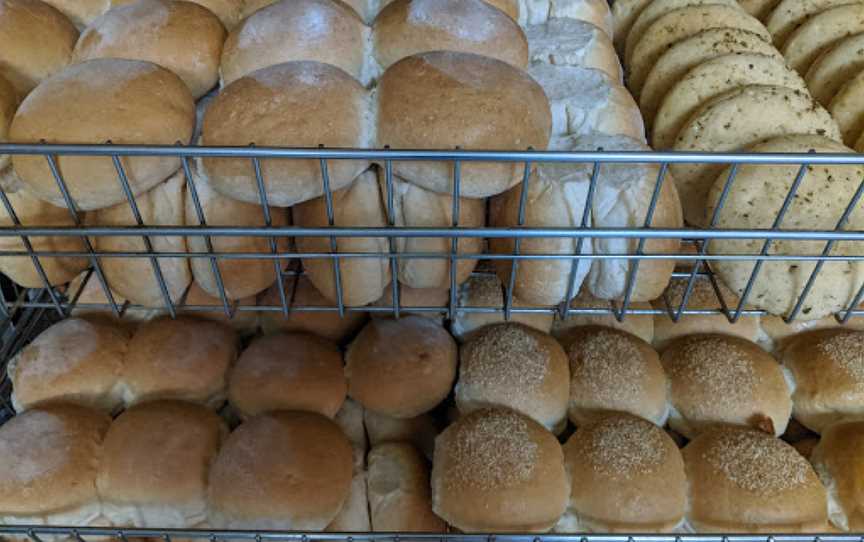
x=568, y=42
x=596, y=12
x=624, y=14
x=847, y=108
x=790, y=14
x=834, y=67
x=758, y=8
x=820, y=32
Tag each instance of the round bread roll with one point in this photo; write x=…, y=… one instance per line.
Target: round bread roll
x=122, y=101
x=74, y=361
x=413, y=298
x=163, y=363
x=626, y=475
x=401, y=368
x=399, y=495
x=363, y=279
x=306, y=104
x=828, y=373
x=420, y=431
x=81, y=13
x=442, y=99
x=86, y=289
x=155, y=462
x=496, y=470
x=824, y=194
x=720, y=379
x=778, y=334
x=837, y=460
x=534, y=12
x=228, y=11
x=744, y=481
x=514, y=366
x=407, y=27
x=8, y=104
x=288, y=371
x=298, y=466
x=846, y=109
x=324, y=324
x=611, y=370
x=354, y=515
x=367, y=10
x=324, y=31
x=36, y=41
x=640, y=325
x=835, y=66
x=244, y=321
x=572, y=42
x=181, y=36
x=819, y=32
x=788, y=15
x=50, y=456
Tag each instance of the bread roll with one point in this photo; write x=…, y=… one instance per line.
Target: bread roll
x=357, y=205
x=306, y=104
x=441, y=100
x=744, y=481
x=720, y=379
x=777, y=334
x=92, y=293
x=611, y=370
x=626, y=475
x=354, y=515
x=407, y=27
x=835, y=66
x=180, y=36
x=399, y=495
x=8, y=104
x=288, y=371
x=244, y=321
x=324, y=31
x=228, y=11
x=75, y=361
x=419, y=431
x=817, y=33
x=183, y=358
x=571, y=42
x=48, y=466
x=496, y=470
x=640, y=325
x=81, y=13
x=401, y=368
x=36, y=41
x=596, y=12
x=366, y=9
x=486, y=291
x=517, y=367
x=328, y=325
x=298, y=466
x=155, y=463
x=837, y=460
x=413, y=297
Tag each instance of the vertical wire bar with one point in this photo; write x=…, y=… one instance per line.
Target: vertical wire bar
x=517, y=241
x=268, y=221
x=855, y=302
x=208, y=242
x=4, y=307
x=148, y=244
x=334, y=249
x=73, y=212
x=640, y=247
x=454, y=241
x=825, y=251
x=787, y=202
x=574, y=265
x=391, y=241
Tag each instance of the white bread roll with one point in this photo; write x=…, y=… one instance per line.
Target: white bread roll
x=496, y=470
x=640, y=325
x=122, y=101
x=441, y=100
x=155, y=462
x=570, y=42
x=626, y=475
x=48, y=466
x=420, y=431
x=81, y=12
x=75, y=361
x=324, y=324
x=134, y=278
x=486, y=291
x=181, y=36
x=306, y=104
x=596, y=12
x=354, y=515
x=413, y=297
x=401, y=368
x=36, y=41
x=357, y=205
x=288, y=371
x=297, y=464
x=244, y=321
x=721, y=379
x=91, y=293
x=324, y=31
x=517, y=367
x=407, y=27
x=399, y=494
x=228, y=11
x=611, y=370
x=184, y=358
x=837, y=459
x=744, y=481
x=366, y=9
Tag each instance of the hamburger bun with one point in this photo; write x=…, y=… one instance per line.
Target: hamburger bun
x=837, y=459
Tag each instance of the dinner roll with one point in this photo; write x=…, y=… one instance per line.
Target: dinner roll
x=641, y=325
x=354, y=515
x=306, y=104
x=837, y=459
x=720, y=379
x=244, y=321
x=626, y=475
x=420, y=430
x=8, y=104
x=48, y=466
x=514, y=366
x=611, y=370
x=443, y=99
x=827, y=368
x=154, y=466
x=81, y=12
x=183, y=358
x=777, y=334
x=744, y=481
x=413, y=298
x=297, y=464
x=401, y=368
x=75, y=361
x=228, y=11
x=288, y=371
x=36, y=41
x=496, y=470
x=92, y=293
x=181, y=36
x=399, y=495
